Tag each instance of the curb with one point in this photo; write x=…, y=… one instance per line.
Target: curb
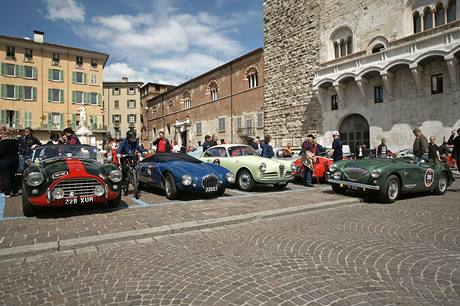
x=164, y=230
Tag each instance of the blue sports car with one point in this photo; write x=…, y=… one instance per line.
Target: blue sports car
x=178, y=172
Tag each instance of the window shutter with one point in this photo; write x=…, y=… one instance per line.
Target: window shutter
x=34, y=93
x=95, y=120
x=2, y=68
x=2, y=91
x=34, y=73
x=99, y=99
x=61, y=96
x=84, y=78
x=50, y=74
x=74, y=121
x=61, y=75
x=16, y=119
x=74, y=96
x=87, y=98
x=50, y=121
x=49, y=94
x=62, y=122
x=74, y=77
x=3, y=116
x=17, y=71
x=18, y=92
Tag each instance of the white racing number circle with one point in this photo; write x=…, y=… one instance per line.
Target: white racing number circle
x=429, y=177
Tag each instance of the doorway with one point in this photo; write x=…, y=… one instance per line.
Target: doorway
x=354, y=129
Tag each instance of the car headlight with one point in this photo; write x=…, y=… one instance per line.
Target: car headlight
x=293, y=167
x=337, y=175
x=376, y=173
x=332, y=168
x=115, y=176
x=262, y=167
x=186, y=179
x=34, y=179
x=230, y=177
x=58, y=193
x=99, y=190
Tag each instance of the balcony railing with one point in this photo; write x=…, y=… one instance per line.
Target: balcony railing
x=246, y=132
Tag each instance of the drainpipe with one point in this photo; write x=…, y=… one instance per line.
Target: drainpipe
x=231, y=103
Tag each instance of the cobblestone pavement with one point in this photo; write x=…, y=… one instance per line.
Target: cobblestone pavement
x=407, y=253
x=151, y=210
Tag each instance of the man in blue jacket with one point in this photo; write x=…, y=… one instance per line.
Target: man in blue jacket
x=337, y=147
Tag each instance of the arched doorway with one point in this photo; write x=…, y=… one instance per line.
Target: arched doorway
x=354, y=129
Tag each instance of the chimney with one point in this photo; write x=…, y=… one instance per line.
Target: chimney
x=124, y=79
x=38, y=36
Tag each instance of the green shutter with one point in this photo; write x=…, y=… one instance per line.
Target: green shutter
x=61, y=96
x=2, y=116
x=49, y=94
x=74, y=121
x=61, y=75
x=2, y=69
x=34, y=93
x=50, y=74
x=16, y=119
x=99, y=99
x=62, y=121
x=34, y=73
x=19, y=71
x=74, y=96
x=18, y=92
x=27, y=119
x=87, y=98
x=84, y=78
x=74, y=77
x=50, y=121
x=2, y=91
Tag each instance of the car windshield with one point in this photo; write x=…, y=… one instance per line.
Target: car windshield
x=66, y=151
x=242, y=151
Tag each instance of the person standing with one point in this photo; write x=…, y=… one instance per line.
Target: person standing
x=420, y=147
x=207, y=142
x=267, y=150
x=54, y=139
x=9, y=161
x=307, y=154
x=337, y=147
x=162, y=144
x=213, y=141
x=27, y=144
x=433, y=151
x=382, y=149
x=256, y=145
x=455, y=141
x=70, y=137
x=359, y=151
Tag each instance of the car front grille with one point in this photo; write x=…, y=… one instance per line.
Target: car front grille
x=210, y=181
x=281, y=170
x=355, y=174
x=78, y=187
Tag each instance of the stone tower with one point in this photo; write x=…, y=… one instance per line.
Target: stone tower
x=291, y=56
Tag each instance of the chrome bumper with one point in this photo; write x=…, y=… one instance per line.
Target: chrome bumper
x=353, y=184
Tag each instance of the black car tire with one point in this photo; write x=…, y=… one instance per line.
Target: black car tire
x=115, y=202
x=170, y=186
x=245, y=181
x=390, y=190
x=280, y=186
x=337, y=189
x=28, y=209
x=441, y=186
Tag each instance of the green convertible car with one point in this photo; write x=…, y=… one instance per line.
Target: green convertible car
x=388, y=178
x=249, y=167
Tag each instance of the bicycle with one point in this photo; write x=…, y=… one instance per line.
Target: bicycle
x=129, y=162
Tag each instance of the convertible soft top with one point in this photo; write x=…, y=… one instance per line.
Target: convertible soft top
x=165, y=157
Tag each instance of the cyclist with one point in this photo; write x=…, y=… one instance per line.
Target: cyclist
x=127, y=150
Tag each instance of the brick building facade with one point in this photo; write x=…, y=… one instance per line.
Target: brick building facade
x=226, y=101
x=369, y=69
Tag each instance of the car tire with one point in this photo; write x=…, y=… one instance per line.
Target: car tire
x=280, y=186
x=390, y=190
x=115, y=202
x=245, y=181
x=27, y=208
x=441, y=186
x=170, y=186
x=337, y=189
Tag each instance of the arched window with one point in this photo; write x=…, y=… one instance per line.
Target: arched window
x=341, y=42
x=427, y=18
x=186, y=99
x=252, y=77
x=417, y=22
x=440, y=14
x=378, y=48
x=171, y=105
x=452, y=11
x=213, y=90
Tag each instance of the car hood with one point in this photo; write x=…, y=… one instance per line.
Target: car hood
x=194, y=169
x=73, y=167
x=373, y=163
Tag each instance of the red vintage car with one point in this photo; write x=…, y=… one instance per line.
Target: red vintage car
x=320, y=165
x=68, y=175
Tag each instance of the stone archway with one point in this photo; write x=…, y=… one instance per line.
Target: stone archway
x=353, y=129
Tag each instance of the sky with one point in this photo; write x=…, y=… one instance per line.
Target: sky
x=162, y=41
